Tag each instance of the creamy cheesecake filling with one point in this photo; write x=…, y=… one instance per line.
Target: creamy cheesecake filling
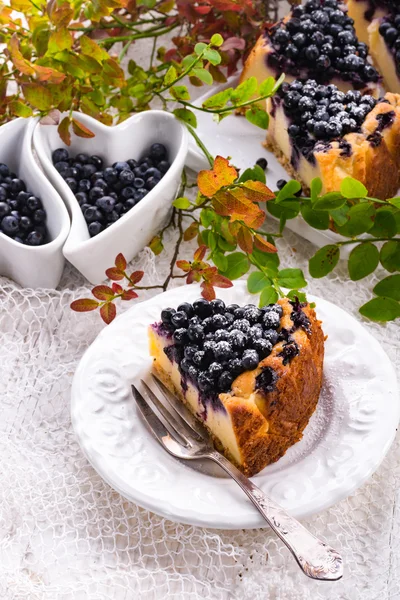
x=384, y=39
x=363, y=12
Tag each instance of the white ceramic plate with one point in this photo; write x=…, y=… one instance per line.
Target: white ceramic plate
x=241, y=140
x=32, y=266
x=343, y=444
x=129, y=139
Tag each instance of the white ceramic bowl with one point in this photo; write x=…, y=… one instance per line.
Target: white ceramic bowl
x=32, y=266
x=130, y=139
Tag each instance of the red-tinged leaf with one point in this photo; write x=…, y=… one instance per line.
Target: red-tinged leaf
x=221, y=281
x=235, y=205
x=84, y=305
x=103, y=292
x=64, y=132
x=120, y=262
x=60, y=15
x=256, y=191
x=39, y=96
x=20, y=63
x=209, y=273
x=208, y=291
x=114, y=274
x=200, y=252
x=81, y=130
x=202, y=10
x=191, y=232
x=136, y=276
x=263, y=245
x=129, y=295
x=108, y=312
x=245, y=240
x=116, y=288
x=193, y=276
x=48, y=74
x=184, y=265
x=221, y=174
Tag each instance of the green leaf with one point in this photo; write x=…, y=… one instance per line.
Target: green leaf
x=363, y=261
x=293, y=294
x=199, y=48
x=291, y=278
x=39, y=96
x=20, y=109
x=257, y=116
x=289, y=190
x=315, y=189
x=225, y=246
x=279, y=210
x=255, y=173
x=257, y=281
x=218, y=100
x=389, y=287
x=217, y=39
x=181, y=203
x=202, y=74
x=213, y=56
x=384, y=225
x=170, y=76
x=266, y=87
x=390, y=256
x=324, y=261
x=180, y=92
x=220, y=261
x=381, y=309
x=359, y=220
x=212, y=241
x=206, y=217
x=319, y=219
x=395, y=201
x=351, y=188
x=329, y=201
x=339, y=215
x=268, y=296
x=244, y=91
x=187, y=116
x=238, y=265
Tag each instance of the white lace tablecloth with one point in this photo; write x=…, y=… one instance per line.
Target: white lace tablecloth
x=66, y=535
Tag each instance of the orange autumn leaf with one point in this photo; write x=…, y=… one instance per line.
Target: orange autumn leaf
x=184, y=265
x=84, y=305
x=191, y=232
x=64, y=132
x=208, y=291
x=120, y=262
x=81, y=130
x=221, y=174
x=256, y=191
x=245, y=240
x=263, y=245
x=200, y=252
x=235, y=205
x=108, y=312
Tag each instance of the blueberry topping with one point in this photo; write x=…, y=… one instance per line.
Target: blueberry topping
x=250, y=359
x=179, y=319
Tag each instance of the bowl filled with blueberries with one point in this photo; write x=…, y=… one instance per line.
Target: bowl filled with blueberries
x=34, y=222
x=118, y=186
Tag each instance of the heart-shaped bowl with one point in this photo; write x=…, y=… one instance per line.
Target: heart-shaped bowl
x=129, y=139
x=32, y=266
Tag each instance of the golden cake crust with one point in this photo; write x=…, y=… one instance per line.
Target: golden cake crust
x=266, y=424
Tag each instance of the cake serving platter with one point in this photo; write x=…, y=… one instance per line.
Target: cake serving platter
x=343, y=444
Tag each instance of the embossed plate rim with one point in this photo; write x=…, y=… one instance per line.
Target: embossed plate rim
x=182, y=502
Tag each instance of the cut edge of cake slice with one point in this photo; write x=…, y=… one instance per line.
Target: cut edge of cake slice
x=363, y=12
x=384, y=55
x=267, y=408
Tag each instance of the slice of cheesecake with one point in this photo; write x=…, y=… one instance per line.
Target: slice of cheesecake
x=317, y=41
x=363, y=12
x=384, y=40
x=319, y=131
x=251, y=376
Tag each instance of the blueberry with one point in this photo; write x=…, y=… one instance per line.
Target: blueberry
x=190, y=351
x=271, y=335
x=289, y=351
x=186, y=308
x=96, y=193
x=281, y=36
x=126, y=177
x=223, y=350
x=291, y=51
x=250, y=359
x=138, y=182
x=82, y=198
x=4, y=209
x=112, y=216
x=130, y=203
x=209, y=346
x=72, y=183
x=158, y=151
x=25, y=224
x=255, y=332
x=179, y=319
x=140, y=171
x=163, y=166
x=127, y=192
x=215, y=370
x=94, y=228
x=105, y=203
x=262, y=162
x=252, y=314
x=370, y=73
x=200, y=359
x=39, y=216
x=61, y=154
x=132, y=163
x=184, y=365
x=180, y=336
x=82, y=158
x=120, y=166
x=390, y=35
x=33, y=203
x=202, y=308
x=9, y=224
x=166, y=315
x=61, y=166
x=271, y=320
x=225, y=381
x=236, y=366
x=100, y=183
x=119, y=208
x=151, y=182
x=242, y=324
x=263, y=347
x=312, y=53
x=34, y=238
x=110, y=175
x=97, y=161
x=196, y=333
x=17, y=185
x=88, y=170
x=84, y=185
x=204, y=381
x=281, y=183
x=13, y=204
x=92, y=214
x=238, y=339
x=84, y=206
x=231, y=309
x=218, y=321
x=221, y=334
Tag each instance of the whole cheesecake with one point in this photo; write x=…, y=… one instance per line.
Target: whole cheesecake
x=384, y=40
x=320, y=131
x=251, y=376
x=314, y=41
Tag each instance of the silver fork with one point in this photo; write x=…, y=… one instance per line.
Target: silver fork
x=184, y=437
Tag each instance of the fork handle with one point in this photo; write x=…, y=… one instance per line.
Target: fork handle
x=316, y=559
